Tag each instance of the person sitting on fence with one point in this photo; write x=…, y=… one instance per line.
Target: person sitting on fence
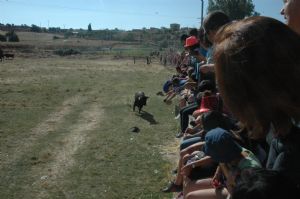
x=211, y=119
x=221, y=147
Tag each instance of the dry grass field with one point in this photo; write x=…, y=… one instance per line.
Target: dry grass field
x=65, y=124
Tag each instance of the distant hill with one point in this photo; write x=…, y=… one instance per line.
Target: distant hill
x=160, y=37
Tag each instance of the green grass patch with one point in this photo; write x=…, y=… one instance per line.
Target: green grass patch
x=112, y=162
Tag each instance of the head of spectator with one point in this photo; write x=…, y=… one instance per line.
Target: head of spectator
x=221, y=146
x=209, y=102
x=257, y=69
x=183, y=37
x=212, y=22
x=291, y=13
x=193, y=32
x=175, y=81
x=214, y=119
x=263, y=184
x=207, y=85
x=192, y=44
x=204, y=42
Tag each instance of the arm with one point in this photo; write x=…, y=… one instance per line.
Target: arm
x=230, y=179
x=193, y=133
x=190, y=85
x=169, y=95
x=186, y=170
x=197, y=146
x=207, y=68
x=200, y=57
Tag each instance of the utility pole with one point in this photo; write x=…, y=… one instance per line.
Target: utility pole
x=202, y=5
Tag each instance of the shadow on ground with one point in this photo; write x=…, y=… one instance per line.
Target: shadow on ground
x=148, y=117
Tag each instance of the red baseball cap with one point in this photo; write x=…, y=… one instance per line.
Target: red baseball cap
x=208, y=103
x=190, y=41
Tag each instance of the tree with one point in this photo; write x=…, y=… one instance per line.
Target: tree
x=12, y=36
x=35, y=28
x=90, y=27
x=2, y=38
x=235, y=9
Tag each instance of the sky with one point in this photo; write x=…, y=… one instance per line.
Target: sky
x=121, y=14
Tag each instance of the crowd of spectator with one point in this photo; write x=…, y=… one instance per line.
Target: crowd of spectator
x=237, y=86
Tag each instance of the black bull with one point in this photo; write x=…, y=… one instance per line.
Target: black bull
x=140, y=100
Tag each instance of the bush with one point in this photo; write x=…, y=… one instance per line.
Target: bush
x=163, y=44
x=66, y=52
x=68, y=35
x=12, y=36
x=2, y=38
x=56, y=37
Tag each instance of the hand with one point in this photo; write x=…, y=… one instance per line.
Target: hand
x=196, y=113
x=187, y=135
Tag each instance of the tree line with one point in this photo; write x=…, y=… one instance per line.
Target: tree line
x=162, y=37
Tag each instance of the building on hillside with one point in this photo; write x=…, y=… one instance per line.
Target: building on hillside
x=174, y=26
x=154, y=30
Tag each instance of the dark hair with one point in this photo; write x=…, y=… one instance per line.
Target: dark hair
x=193, y=32
x=215, y=20
x=214, y=119
x=264, y=184
x=201, y=33
x=203, y=38
x=257, y=63
x=175, y=81
x=183, y=37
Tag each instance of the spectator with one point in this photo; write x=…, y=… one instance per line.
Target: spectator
x=232, y=158
x=193, y=32
x=258, y=78
x=291, y=12
x=264, y=184
x=211, y=24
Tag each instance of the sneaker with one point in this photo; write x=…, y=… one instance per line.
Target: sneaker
x=174, y=171
x=172, y=187
x=193, y=123
x=179, y=135
x=177, y=117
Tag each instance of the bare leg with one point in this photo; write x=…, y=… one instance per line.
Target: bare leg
x=179, y=177
x=208, y=194
x=182, y=103
x=191, y=186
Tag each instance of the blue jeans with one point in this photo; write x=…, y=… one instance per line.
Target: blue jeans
x=188, y=142
x=184, y=115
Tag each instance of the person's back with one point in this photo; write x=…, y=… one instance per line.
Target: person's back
x=284, y=155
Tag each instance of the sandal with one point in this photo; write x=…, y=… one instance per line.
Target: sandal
x=172, y=187
x=179, y=196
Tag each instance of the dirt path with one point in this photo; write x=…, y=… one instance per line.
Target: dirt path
x=48, y=175
x=49, y=125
